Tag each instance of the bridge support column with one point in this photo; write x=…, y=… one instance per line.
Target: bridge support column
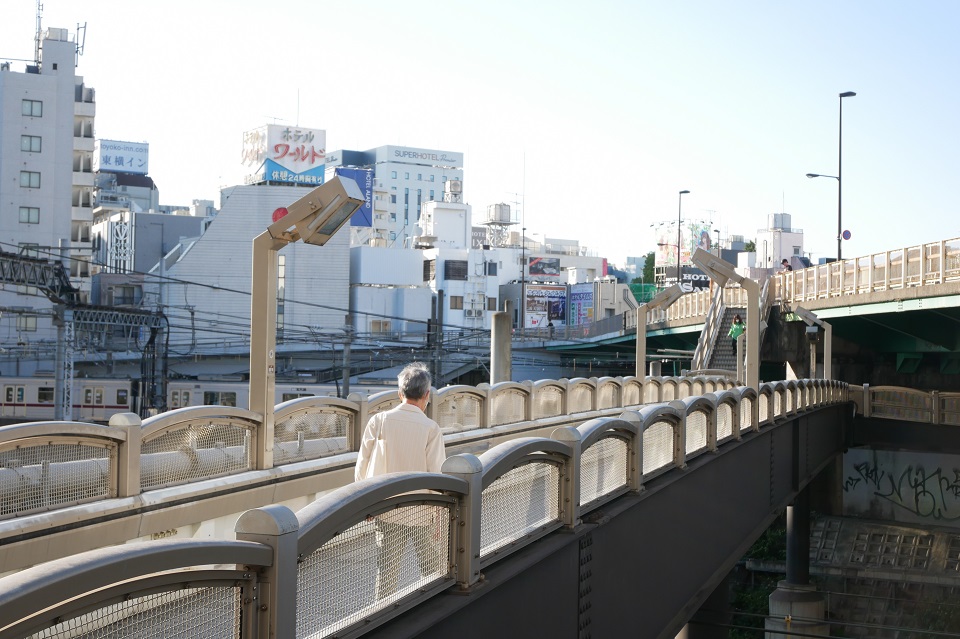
x=501, y=347
x=796, y=606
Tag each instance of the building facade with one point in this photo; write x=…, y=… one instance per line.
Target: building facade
x=46, y=187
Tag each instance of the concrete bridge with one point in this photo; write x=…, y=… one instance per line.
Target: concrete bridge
x=588, y=503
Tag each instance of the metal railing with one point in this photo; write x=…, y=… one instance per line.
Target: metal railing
x=47, y=466
x=369, y=551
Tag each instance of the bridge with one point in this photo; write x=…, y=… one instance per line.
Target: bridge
x=552, y=513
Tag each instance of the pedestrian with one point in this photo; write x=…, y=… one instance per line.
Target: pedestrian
x=550, y=328
x=785, y=265
x=404, y=439
x=737, y=329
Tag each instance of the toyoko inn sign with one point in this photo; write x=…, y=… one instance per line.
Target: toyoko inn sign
x=114, y=156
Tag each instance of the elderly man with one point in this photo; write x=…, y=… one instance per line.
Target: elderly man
x=404, y=439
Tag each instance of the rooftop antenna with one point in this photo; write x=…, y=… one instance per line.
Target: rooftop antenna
x=36, y=38
x=81, y=41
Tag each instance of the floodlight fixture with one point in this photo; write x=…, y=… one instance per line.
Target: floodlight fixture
x=666, y=297
x=812, y=320
x=318, y=215
x=718, y=270
x=663, y=299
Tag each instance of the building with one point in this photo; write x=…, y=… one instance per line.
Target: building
x=404, y=178
x=777, y=242
x=46, y=186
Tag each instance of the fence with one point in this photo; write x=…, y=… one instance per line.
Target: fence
x=371, y=550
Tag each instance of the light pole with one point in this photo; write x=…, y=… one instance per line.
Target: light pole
x=838, y=177
x=313, y=219
x=523, y=280
x=679, y=217
x=663, y=299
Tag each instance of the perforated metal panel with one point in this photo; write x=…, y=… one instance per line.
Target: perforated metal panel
x=383, y=406
x=669, y=392
x=901, y=404
x=950, y=409
x=579, y=399
x=311, y=435
x=632, y=395
x=370, y=566
x=789, y=400
x=777, y=403
x=603, y=468
x=519, y=502
x=205, y=613
x=459, y=412
x=724, y=421
x=548, y=402
x=509, y=407
x=696, y=424
x=55, y=472
x=194, y=451
x=763, y=408
x=608, y=396
x=657, y=446
x=651, y=393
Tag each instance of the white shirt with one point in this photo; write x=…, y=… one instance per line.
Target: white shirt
x=409, y=441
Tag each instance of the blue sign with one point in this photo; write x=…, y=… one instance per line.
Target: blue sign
x=364, y=179
x=273, y=172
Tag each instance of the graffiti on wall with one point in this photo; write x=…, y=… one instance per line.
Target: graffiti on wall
x=909, y=487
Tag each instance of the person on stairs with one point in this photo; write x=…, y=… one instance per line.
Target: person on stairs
x=737, y=329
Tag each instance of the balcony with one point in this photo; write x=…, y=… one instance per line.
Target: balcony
x=85, y=109
x=83, y=178
x=83, y=144
x=81, y=214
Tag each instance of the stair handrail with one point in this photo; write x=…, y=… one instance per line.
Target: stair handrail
x=711, y=326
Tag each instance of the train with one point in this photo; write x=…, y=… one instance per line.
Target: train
x=95, y=400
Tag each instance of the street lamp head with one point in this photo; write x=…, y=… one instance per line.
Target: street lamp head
x=684, y=192
x=318, y=215
x=847, y=94
x=813, y=175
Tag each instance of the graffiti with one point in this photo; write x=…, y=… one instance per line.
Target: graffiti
x=931, y=494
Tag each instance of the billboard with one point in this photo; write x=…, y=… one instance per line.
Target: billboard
x=364, y=179
x=693, y=235
x=545, y=303
x=279, y=153
x=425, y=157
x=691, y=278
x=543, y=266
x=581, y=304
x=114, y=156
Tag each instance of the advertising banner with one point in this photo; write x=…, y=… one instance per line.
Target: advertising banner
x=364, y=179
x=114, y=156
x=581, y=304
x=545, y=304
x=543, y=267
x=280, y=153
x=693, y=235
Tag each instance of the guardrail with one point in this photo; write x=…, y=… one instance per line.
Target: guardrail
x=371, y=550
x=47, y=466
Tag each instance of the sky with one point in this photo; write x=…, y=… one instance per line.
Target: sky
x=589, y=118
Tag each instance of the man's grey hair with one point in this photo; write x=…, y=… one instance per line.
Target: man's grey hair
x=414, y=381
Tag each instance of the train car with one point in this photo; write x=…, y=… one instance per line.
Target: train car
x=183, y=393
x=93, y=400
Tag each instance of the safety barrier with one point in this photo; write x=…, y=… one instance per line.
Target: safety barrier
x=366, y=552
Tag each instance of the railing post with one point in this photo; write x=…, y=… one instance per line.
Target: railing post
x=635, y=460
x=867, y=401
x=360, y=422
x=935, y=398
x=128, y=456
x=570, y=481
x=275, y=526
x=486, y=410
x=467, y=545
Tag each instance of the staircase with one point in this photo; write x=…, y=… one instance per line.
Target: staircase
x=724, y=357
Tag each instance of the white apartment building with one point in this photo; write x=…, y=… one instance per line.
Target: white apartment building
x=46, y=185
x=206, y=284
x=777, y=242
x=405, y=178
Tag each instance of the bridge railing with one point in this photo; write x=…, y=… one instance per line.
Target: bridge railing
x=922, y=265
x=52, y=465
x=368, y=551
x=907, y=404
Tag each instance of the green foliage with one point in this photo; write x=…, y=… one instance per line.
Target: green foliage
x=750, y=247
x=648, y=267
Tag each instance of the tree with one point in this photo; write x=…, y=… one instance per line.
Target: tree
x=750, y=247
x=648, y=264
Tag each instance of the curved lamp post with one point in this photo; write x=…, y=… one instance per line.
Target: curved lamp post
x=663, y=299
x=313, y=219
x=679, y=218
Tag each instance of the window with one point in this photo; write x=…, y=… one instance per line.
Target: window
x=455, y=270
x=122, y=397
x=33, y=108
x=214, y=398
x=286, y=397
x=429, y=270
x=29, y=215
x=490, y=268
x=456, y=302
x=431, y=177
x=393, y=198
x=30, y=179
x=26, y=323
x=30, y=143
x=380, y=326
x=491, y=303
x=431, y=195
x=393, y=174
x=420, y=176
x=406, y=175
x=45, y=394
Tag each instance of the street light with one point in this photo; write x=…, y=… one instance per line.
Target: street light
x=721, y=271
x=838, y=177
x=811, y=319
x=663, y=299
x=313, y=219
x=679, y=241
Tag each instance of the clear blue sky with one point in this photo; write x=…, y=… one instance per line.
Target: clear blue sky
x=596, y=114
